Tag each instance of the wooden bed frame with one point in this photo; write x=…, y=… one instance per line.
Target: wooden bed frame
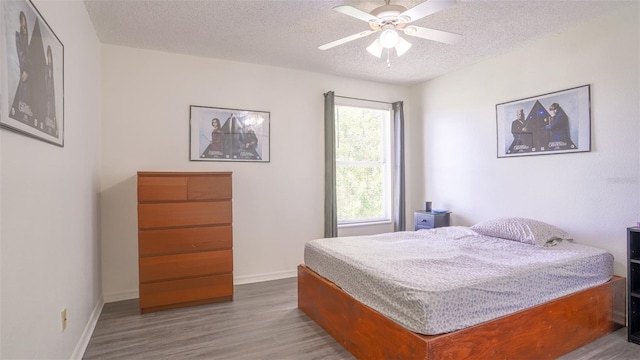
x=545, y=331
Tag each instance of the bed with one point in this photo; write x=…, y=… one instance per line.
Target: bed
x=499, y=289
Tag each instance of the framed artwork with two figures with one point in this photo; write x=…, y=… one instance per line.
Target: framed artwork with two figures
x=31, y=73
x=553, y=123
x=221, y=134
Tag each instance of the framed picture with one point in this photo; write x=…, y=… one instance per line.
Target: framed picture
x=554, y=123
x=219, y=134
x=31, y=74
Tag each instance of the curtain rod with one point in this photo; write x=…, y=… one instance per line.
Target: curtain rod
x=353, y=98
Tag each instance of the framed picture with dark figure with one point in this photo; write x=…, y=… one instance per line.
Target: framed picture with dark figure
x=221, y=134
x=32, y=68
x=553, y=123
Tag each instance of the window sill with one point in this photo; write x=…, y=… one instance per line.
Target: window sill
x=364, y=223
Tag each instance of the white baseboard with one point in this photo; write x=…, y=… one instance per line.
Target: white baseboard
x=248, y=279
x=81, y=347
x=238, y=280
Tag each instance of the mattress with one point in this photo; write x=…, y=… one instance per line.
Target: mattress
x=445, y=279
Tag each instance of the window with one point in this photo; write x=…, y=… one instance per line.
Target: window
x=363, y=165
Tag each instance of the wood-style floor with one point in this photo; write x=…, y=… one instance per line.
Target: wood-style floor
x=262, y=322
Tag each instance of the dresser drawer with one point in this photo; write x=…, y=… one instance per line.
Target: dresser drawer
x=185, y=290
x=157, y=188
x=168, y=267
x=424, y=221
x=209, y=187
x=172, y=241
x=184, y=214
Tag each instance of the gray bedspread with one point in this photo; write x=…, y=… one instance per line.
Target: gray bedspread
x=444, y=279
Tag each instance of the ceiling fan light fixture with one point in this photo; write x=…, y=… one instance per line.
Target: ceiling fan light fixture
x=402, y=47
x=389, y=38
x=375, y=48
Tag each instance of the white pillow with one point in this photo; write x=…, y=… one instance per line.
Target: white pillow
x=527, y=231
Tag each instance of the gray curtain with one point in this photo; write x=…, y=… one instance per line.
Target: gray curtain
x=399, y=223
x=330, y=206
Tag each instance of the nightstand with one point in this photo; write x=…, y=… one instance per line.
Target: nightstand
x=429, y=220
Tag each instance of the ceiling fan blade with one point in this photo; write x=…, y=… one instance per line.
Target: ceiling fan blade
x=345, y=40
x=426, y=8
x=356, y=13
x=432, y=34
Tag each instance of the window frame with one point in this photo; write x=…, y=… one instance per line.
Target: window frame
x=387, y=159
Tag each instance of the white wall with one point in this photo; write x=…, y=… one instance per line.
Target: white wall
x=50, y=235
x=277, y=206
x=593, y=195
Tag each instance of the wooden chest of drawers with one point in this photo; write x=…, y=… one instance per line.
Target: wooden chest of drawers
x=185, y=239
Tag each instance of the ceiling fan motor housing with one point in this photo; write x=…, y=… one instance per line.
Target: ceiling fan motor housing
x=388, y=12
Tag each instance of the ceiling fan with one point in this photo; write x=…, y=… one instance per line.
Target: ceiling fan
x=389, y=19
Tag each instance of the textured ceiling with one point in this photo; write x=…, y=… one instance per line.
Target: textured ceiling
x=287, y=33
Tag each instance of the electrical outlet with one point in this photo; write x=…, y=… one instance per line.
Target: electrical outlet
x=63, y=314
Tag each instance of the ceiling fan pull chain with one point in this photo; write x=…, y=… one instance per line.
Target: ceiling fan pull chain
x=388, y=60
